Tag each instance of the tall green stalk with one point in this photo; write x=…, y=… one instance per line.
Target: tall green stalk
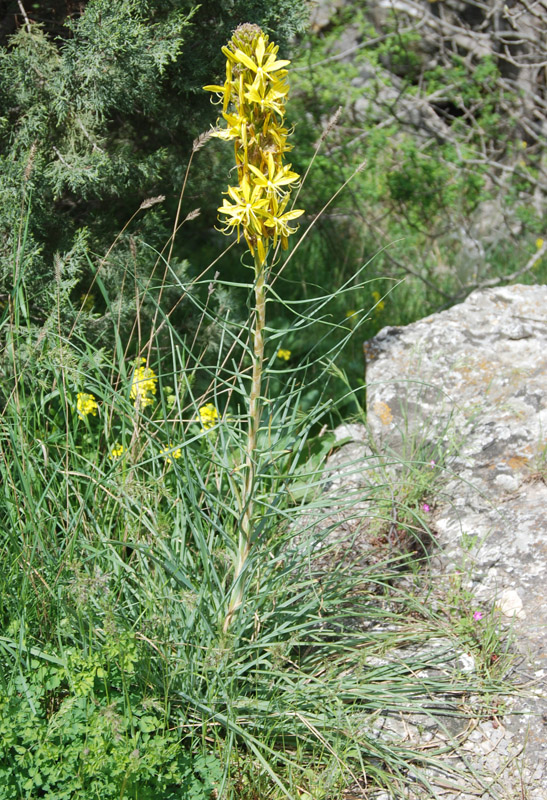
x=245, y=531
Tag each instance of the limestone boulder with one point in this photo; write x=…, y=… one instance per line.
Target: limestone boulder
x=465, y=390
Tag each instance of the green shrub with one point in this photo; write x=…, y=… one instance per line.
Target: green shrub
x=98, y=111
x=82, y=727
x=443, y=149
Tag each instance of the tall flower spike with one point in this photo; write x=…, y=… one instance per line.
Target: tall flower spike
x=256, y=88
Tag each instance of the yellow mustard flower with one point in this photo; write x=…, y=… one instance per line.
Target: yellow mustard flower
x=539, y=243
x=116, y=451
x=377, y=297
x=86, y=404
x=143, y=385
x=207, y=415
x=284, y=354
x=170, y=453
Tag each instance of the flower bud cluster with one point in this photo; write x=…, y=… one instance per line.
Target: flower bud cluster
x=86, y=404
x=253, y=107
x=143, y=385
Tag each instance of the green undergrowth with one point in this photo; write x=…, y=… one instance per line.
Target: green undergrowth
x=119, y=511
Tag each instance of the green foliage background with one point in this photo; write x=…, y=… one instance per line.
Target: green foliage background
x=446, y=201
x=98, y=111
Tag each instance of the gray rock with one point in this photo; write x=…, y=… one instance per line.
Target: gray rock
x=469, y=385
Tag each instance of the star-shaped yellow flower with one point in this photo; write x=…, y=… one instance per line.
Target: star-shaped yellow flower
x=262, y=68
x=275, y=178
x=279, y=220
x=248, y=206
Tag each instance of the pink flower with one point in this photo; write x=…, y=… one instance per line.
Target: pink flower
x=425, y=508
x=478, y=615
x=431, y=463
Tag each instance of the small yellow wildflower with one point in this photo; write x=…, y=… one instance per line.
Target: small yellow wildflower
x=116, y=451
x=86, y=404
x=143, y=385
x=539, y=243
x=377, y=297
x=208, y=416
x=284, y=354
x=523, y=144
x=351, y=316
x=170, y=454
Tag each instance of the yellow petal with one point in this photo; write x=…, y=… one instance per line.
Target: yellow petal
x=260, y=175
x=275, y=65
x=261, y=249
x=260, y=48
x=234, y=194
x=244, y=59
x=293, y=214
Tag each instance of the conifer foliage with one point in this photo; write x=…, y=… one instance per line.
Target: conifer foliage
x=99, y=104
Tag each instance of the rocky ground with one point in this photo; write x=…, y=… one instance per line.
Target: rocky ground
x=470, y=384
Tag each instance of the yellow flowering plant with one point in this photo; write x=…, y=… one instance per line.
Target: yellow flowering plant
x=143, y=385
x=116, y=451
x=255, y=91
x=208, y=416
x=379, y=304
x=253, y=100
x=171, y=453
x=86, y=404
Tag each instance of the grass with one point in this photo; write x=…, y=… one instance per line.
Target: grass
x=118, y=678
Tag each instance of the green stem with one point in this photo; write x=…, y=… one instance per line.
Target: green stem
x=245, y=530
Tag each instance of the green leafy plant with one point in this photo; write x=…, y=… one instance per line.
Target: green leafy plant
x=81, y=726
x=437, y=131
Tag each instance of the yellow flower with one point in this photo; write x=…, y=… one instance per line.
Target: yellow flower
x=171, y=453
x=284, y=354
x=539, y=243
x=352, y=316
x=246, y=209
x=116, y=451
x=257, y=89
x=275, y=178
x=86, y=404
x=379, y=303
x=263, y=69
x=278, y=220
x=143, y=385
x=208, y=416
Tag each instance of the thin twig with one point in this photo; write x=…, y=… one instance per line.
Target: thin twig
x=24, y=15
